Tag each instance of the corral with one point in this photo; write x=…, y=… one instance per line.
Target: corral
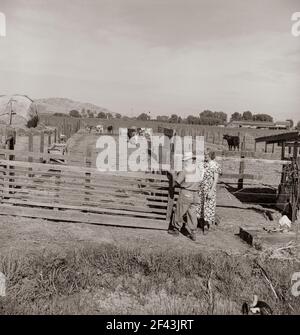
x=76, y=191
x=51, y=207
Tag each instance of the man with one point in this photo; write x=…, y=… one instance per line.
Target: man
x=186, y=209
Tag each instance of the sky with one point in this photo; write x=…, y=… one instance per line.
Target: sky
x=155, y=56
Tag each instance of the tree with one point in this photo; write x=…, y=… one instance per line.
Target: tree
x=191, y=119
x=208, y=117
x=90, y=113
x=101, y=115
x=162, y=118
x=59, y=114
x=109, y=115
x=118, y=116
x=143, y=117
x=298, y=126
x=291, y=122
x=221, y=116
x=262, y=117
x=32, y=123
x=173, y=118
x=83, y=113
x=206, y=114
x=247, y=116
x=236, y=116
x=74, y=113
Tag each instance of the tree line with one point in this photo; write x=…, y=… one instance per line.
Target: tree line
x=207, y=117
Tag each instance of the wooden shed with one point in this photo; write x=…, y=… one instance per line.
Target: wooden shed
x=288, y=189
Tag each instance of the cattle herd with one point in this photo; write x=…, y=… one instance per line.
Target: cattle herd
x=232, y=141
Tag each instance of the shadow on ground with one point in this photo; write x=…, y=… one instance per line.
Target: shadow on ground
x=265, y=196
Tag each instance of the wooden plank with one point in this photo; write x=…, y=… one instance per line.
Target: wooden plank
x=67, y=195
x=30, y=146
x=141, y=175
x=74, y=216
x=42, y=145
x=283, y=151
x=35, y=155
x=96, y=187
x=241, y=172
x=29, y=199
x=89, y=209
x=105, y=180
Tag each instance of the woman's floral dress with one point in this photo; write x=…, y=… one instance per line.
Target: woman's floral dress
x=207, y=207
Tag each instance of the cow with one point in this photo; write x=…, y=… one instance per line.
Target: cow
x=232, y=141
x=99, y=128
x=89, y=128
x=131, y=132
x=110, y=129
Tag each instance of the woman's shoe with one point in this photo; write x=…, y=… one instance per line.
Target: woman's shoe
x=192, y=237
x=206, y=224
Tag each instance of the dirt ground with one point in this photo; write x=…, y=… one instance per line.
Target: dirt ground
x=30, y=234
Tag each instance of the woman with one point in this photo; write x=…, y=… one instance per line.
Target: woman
x=208, y=189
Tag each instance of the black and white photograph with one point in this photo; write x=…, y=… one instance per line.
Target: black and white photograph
x=149, y=160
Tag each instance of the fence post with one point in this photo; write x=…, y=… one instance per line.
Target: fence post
x=297, y=207
x=88, y=164
x=55, y=135
x=149, y=154
x=160, y=157
x=30, y=146
x=241, y=172
x=30, y=149
x=282, y=151
x=57, y=187
x=170, y=198
x=244, y=143
x=42, y=145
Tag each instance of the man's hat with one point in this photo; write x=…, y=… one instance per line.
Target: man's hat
x=187, y=156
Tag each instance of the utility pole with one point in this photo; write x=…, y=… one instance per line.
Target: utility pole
x=11, y=112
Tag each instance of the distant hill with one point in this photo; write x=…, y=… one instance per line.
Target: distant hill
x=64, y=105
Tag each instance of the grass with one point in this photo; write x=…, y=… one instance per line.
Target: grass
x=107, y=279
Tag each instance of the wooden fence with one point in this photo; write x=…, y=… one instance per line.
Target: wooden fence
x=84, y=194
x=212, y=134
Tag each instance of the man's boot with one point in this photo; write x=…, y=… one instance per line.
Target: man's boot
x=173, y=231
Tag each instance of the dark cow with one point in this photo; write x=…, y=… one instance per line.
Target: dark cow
x=110, y=129
x=232, y=141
